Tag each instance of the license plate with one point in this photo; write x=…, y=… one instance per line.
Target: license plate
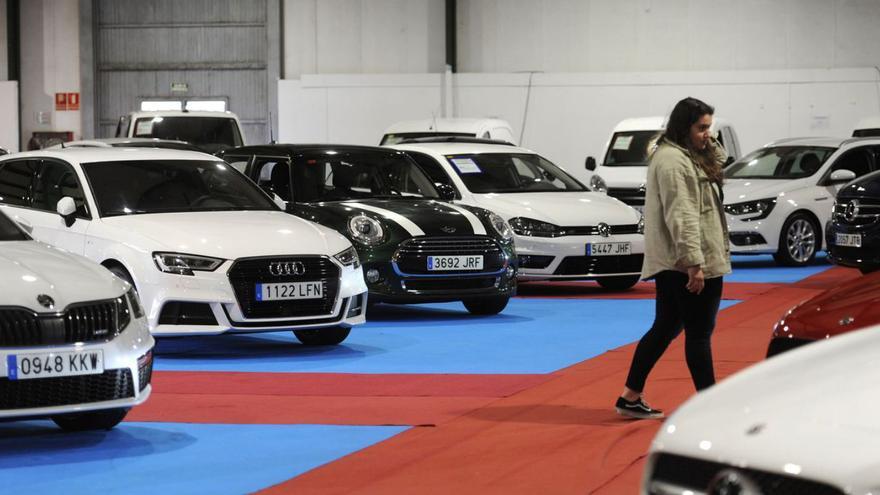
x=446, y=263
x=850, y=240
x=290, y=290
x=608, y=248
x=54, y=364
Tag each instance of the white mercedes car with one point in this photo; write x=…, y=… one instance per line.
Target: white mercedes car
x=779, y=197
x=802, y=422
x=562, y=229
x=74, y=343
x=206, y=249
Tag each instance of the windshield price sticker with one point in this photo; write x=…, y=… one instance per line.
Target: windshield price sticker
x=54, y=364
x=144, y=127
x=466, y=166
x=622, y=142
x=608, y=248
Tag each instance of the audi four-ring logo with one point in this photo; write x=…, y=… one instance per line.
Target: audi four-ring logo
x=282, y=268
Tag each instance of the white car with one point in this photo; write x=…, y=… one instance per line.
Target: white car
x=802, y=422
x=74, y=343
x=779, y=197
x=211, y=131
x=623, y=171
x=562, y=229
x=127, y=143
x=488, y=128
x=206, y=249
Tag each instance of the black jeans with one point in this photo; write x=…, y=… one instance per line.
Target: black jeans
x=676, y=307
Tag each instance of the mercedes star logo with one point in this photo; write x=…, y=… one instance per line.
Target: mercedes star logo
x=732, y=482
x=851, y=211
x=286, y=268
x=46, y=301
x=604, y=229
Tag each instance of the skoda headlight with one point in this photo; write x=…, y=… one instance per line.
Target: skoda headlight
x=535, y=228
x=641, y=224
x=501, y=226
x=135, y=303
x=597, y=184
x=185, y=264
x=365, y=230
x=759, y=209
x=349, y=257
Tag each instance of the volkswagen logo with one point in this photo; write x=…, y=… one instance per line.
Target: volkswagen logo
x=604, y=229
x=851, y=211
x=45, y=301
x=286, y=268
x=448, y=229
x=732, y=482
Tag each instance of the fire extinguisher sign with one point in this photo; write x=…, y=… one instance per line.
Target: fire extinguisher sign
x=66, y=101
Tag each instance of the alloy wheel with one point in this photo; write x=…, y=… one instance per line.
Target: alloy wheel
x=801, y=240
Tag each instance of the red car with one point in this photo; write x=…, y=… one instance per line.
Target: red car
x=850, y=306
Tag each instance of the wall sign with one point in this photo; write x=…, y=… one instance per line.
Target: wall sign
x=66, y=101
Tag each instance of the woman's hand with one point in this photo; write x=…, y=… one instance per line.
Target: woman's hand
x=696, y=280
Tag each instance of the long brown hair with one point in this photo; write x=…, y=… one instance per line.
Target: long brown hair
x=685, y=114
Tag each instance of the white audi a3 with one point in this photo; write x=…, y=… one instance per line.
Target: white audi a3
x=206, y=249
x=74, y=343
x=802, y=422
x=563, y=230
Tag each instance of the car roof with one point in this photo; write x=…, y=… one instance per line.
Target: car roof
x=641, y=124
x=830, y=142
x=182, y=113
x=103, y=154
x=116, y=141
x=463, y=125
x=294, y=148
x=462, y=148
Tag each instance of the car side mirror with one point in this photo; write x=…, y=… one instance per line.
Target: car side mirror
x=590, y=164
x=728, y=162
x=841, y=175
x=447, y=192
x=66, y=207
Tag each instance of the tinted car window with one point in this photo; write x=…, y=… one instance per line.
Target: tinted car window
x=163, y=186
x=16, y=182
x=631, y=148
x=858, y=160
x=9, y=231
x=209, y=133
x=389, y=139
x=55, y=181
x=435, y=171
x=511, y=172
x=780, y=162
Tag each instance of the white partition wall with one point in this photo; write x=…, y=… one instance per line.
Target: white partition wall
x=9, y=120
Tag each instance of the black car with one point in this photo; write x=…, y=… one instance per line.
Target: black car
x=414, y=245
x=853, y=234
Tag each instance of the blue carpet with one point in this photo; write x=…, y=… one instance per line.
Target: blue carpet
x=149, y=458
x=530, y=336
x=763, y=269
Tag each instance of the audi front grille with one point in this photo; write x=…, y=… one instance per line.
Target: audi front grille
x=246, y=273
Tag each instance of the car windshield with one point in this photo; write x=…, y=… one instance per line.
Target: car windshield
x=631, y=148
x=511, y=173
x=779, y=162
x=389, y=139
x=164, y=186
x=9, y=231
x=212, y=134
x=338, y=175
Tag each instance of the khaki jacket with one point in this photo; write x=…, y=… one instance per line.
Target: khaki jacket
x=684, y=218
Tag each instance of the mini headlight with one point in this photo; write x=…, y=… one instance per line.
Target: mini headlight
x=501, y=226
x=760, y=208
x=642, y=224
x=185, y=264
x=135, y=303
x=535, y=228
x=349, y=257
x=597, y=183
x=365, y=230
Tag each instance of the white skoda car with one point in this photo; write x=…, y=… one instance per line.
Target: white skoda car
x=802, y=422
x=74, y=343
x=206, y=249
x=563, y=231
x=779, y=197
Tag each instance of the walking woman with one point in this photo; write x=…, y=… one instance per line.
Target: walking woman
x=686, y=250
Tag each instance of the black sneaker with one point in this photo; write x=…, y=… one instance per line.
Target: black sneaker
x=636, y=409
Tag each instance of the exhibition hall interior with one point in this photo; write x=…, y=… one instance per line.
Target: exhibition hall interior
x=403, y=247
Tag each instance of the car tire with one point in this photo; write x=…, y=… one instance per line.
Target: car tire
x=799, y=240
x=92, y=420
x=326, y=336
x=485, y=306
x=618, y=283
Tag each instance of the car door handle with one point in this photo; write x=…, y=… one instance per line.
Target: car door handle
x=823, y=198
x=26, y=226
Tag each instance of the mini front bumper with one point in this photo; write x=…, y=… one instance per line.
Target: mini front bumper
x=565, y=258
x=395, y=286
x=126, y=357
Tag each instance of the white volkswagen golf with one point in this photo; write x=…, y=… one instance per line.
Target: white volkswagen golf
x=206, y=249
x=563, y=230
x=73, y=339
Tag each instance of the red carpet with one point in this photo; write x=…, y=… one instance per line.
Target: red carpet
x=559, y=436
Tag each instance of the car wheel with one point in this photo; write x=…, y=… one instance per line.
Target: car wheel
x=486, y=305
x=92, y=420
x=798, y=241
x=327, y=336
x=618, y=283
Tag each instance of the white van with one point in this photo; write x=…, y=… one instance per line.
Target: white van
x=496, y=129
x=210, y=131
x=623, y=170
x=867, y=127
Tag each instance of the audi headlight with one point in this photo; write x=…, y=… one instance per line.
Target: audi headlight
x=598, y=184
x=366, y=230
x=641, y=224
x=501, y=226
x=349, y=257
x=535, y=228
x=760, y=208
x=135, y=303
x=185, y=264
